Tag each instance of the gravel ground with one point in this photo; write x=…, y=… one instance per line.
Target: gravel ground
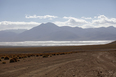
x=85, y=64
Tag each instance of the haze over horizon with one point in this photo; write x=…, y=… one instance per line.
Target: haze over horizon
x=26, y=14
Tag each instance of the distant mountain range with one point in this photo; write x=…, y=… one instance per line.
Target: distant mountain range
x=17, y=31
x=50, y=31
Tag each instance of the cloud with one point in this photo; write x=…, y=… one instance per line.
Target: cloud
x=95, y=22
x=42, y=17
x=86, y=17
x=100, y=21
x=75, y=21
x=104, y=20
x=17, y=25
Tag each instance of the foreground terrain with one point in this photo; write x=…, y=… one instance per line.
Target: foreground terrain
x=83, y=61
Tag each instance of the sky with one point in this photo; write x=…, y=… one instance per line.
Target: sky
x=25, y=14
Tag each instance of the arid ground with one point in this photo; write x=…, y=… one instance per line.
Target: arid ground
x=86, y=61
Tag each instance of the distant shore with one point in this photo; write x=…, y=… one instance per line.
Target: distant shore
x=36, y=49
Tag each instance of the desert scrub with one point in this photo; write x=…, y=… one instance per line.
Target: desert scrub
x=3, y=62
x=37, y=55
x=13, y=60
x=29, y=56
x=53, y=54
x=20, y=57
x=6, y=58
x=50, y=55
x=45, y=56
x=2, y=57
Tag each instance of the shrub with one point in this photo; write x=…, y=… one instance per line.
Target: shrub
x=50, y=55
x=57, y=54
x=53, y=54
x=37, y=55
x=2, y=57
x=16, y=59
x=20, y=57
x=62, y=53
x=3, y=62
x=41, y=55
x=25, y=57
x=29, y=56
x=45, y=56
x=13, y=60
x=6, y=58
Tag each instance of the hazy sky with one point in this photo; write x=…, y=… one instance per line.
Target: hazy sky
x=25, y=14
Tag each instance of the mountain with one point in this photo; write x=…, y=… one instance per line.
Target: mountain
x=18, y=31
x=37, y=33
x=50, y=31
x=9, y=35
x=6, y=36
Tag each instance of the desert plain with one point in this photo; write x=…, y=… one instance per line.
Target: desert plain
x=59, y=61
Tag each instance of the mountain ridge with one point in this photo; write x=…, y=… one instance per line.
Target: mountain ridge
x=50, y=31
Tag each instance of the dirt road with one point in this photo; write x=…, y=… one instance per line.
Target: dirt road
x=86, y=64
